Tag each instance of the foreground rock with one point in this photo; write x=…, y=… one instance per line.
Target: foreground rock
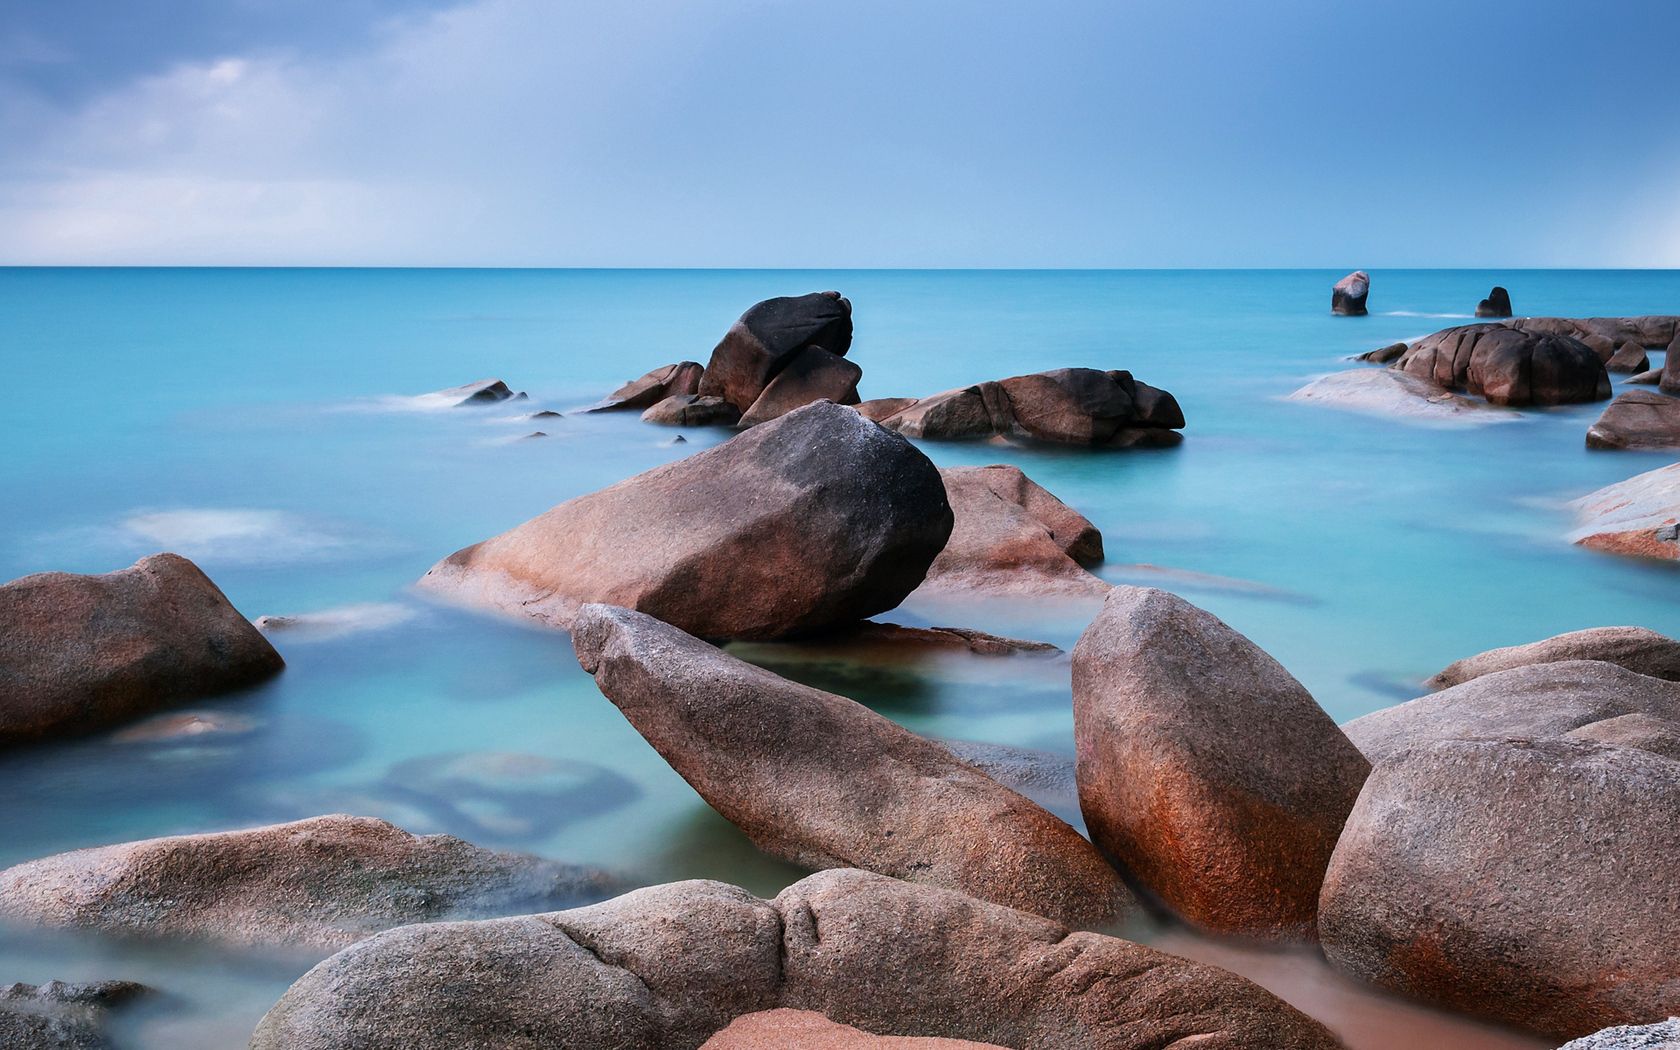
x=61, y=1016
x=1397, y=395
x=824, y=782
x=1205, y=768
x=668, y=967
x=1665, y=1035
x=1639, y=649
x=1530, y=883
x=768, y=337
x=1011, y=536
x=80, y=653
x=760, y=537
x=1065, y=406
x=1638, y=419
x=1536, y=702
x=1497, y=304
x=784, y=1029
x=1347, y=298
x=1637, y=517
x=678, y=380
x=315, y=884
x=1509, y=366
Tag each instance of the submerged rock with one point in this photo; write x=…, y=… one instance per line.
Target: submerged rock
x=1397, y=395
x=80, y=653
x=692, y=410
x=1012, y=536
x=668, y=967
x=1532, y=883
x=680, y=379
x=1637, y=517
x=1382, y=355
x=61, y=1016
x=1205, y=768
x=816, y=519
x=1064, y=406
x=1664, y=1035
x=1539, y=701
x=1630, y=358
x=824, y=782
x=1497, y=304
x=1509, y=366
x=768, y=337
x=1347, y=298
x=1638, y=649
x=1638, y=419
x=785, y=1029
x=315, y=884
x=479, y=392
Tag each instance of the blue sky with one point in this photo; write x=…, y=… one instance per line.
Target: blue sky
x=780, y=133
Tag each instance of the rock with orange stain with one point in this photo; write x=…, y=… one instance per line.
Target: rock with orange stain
x=1205, y=769
x=1639, y=517
x=1012, y=536
x=1534, y=883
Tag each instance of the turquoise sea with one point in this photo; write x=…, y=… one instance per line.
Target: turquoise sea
x=259, y=422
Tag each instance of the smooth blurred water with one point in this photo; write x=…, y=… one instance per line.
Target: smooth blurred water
x=254, y=420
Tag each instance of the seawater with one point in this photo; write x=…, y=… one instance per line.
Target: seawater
x=261, y=423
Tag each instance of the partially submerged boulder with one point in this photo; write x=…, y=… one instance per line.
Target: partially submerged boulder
x=1509, y=366
x=1397, y=395
x=80, y=653
x=1538, y=701
x=1347, y=298
x=1064, y=406
x=476, y=393
x=1497, y=304
x=767, y=338
x=811, y=374
x=824, y=782
x=1011, y=536
x=816, y=519
x=667, y=967
x=1533, y=883
x=692, y=410
x=1205, y=768
x=665, y=381
x=1382, y=355
x=315, y=884
x=1639, y=517
x=1639, y=649
x=1638, y=419
x=61, y=1016
x=1629, y=358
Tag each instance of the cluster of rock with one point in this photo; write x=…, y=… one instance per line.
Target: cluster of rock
x=1508, y=365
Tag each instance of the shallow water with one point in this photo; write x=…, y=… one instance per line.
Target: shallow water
x=259, y=422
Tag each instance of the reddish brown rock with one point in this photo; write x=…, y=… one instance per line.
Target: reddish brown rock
x=1638, y=649
x=1630, y=357
x=824, y=782
x=1533, y=883
x=1649, y=378
x=967, y=412
x=666, y=968
x=1205, y=769
x=663, y=382
x=785, y=1029
x=317, y=884
x=1639, y=517
x=760, y=537
x=1011, y=536
x=1064, y=406
x=1347, y=298
x=1669, y=381
x=766, y=339
x=692, y=410
x=1509, y=366
x=881, y=408
x=1382, y=355
x=811, y=374
x=1638, y=419
x=80, y=653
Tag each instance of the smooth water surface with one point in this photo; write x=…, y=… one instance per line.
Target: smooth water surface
x=258, y=422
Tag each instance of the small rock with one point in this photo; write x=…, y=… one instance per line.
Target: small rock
x=533, y=434
x=1382, y=355
x=1347, y=298
x=547, y=413
x=185, y=725
x=480, y=392
x=1011, y=536
x=692, y=410
x=1638, y=419
x=1649, y=378
x=882, y=407
x=1630, y=358
x=657, y=385
x=1497, y=304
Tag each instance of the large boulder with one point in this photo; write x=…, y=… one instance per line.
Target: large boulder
x=1397, y=395
x=1664, y=1035
x=80, y=653
x=316, y=884
x=811, y=374
x=1639, y=517
x=1509, y=366
x=1638, y=649
x=824, y=782
x=1533, y=883
x=1064, y=406
x=62, y=1016
x=1538, y=701
x=768, y=337
x=668, y=967
x=1638, y=419
x=1497, y=304
x=1347, y=298
x=816, y=519
x=1205, y=768
x=680, y=379
x=1011, y=536
x=785, y=1029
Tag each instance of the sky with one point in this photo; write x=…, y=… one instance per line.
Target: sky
x=777, y=133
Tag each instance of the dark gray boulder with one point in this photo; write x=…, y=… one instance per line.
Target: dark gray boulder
x=1347, y=298
x=1497, y=304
